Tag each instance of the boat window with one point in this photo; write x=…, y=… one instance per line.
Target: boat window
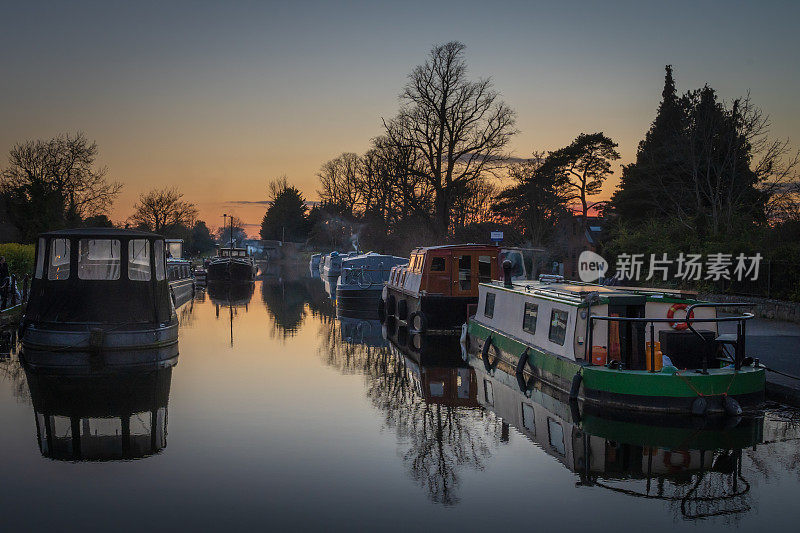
x=158, y=255
x=488, y=306
x=558, y=326
x=437, y=389
x=528, y=418
x=437, y=264
x=484, y=269
x=556, y=435
x=139, y=260
x=59, y=259
x=99, y=259
x=40, y=259
x=529, y=316
x=465, y=272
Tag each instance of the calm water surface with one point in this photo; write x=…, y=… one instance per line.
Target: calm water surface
x=279, y=414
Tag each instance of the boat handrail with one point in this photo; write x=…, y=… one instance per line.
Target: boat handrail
x=739, y=344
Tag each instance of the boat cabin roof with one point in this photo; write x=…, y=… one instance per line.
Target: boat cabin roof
x=574, y=292
x=100, y=233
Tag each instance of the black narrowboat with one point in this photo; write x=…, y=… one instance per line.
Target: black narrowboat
x=231, y=265
x=100, y=298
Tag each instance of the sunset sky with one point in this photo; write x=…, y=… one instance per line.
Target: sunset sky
x=219, y=98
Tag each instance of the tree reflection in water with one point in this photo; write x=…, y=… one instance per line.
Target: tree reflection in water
x=10, y=369
x=437, y=437
x=290, y=299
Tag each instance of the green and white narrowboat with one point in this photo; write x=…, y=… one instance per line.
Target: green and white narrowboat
x=596, y=343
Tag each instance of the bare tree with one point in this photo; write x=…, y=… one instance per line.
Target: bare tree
x=339, y=181
x=161, y=209
x=459, y=128
x=57, y=179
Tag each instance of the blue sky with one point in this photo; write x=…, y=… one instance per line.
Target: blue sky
x=220, y=97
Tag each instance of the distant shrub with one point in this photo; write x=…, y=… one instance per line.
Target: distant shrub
x=19, y=258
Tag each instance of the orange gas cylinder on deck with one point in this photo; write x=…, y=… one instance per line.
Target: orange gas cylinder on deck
x=659, y=363
x=599, y=355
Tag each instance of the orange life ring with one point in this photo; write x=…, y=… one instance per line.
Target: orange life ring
x=686, y=460
x=671, y=313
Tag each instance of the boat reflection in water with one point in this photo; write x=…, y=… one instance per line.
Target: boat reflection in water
x=100, y=418
x=362, y=331
x=452, y=416
x=233, y=296
x=428, y=401
x=687, y=462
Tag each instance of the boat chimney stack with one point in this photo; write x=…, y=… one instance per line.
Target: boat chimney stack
x=507, y=273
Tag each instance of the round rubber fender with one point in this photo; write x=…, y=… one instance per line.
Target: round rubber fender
x=418, y=321
x=575, y=410
x=699, y=406
x=417, y=342
x=732, y=407
x=402, y=309
x=576, y=386
x=381, y=311
x=522, y=384
x=490, y=366
x=523, y=360
x=391, y=305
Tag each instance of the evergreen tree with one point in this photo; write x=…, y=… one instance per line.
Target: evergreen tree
x=200, y=239
x=694, y=166
x=286, y=218
x=656, y=167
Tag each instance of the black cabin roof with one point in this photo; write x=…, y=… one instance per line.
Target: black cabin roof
x=105, y=233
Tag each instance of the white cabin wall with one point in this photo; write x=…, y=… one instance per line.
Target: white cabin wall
x=660, y=309
x=508, y=314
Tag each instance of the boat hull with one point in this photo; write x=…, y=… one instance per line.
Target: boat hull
x=93, y=349
x=442, y=314
x=182, y=291
x=230, y=271
x=358, y=301
x=637, y=390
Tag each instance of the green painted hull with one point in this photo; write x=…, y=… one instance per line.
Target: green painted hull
x=627, y=389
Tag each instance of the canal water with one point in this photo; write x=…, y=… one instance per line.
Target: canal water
x=281, y=415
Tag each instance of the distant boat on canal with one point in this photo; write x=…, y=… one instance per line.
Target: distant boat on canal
x=231, y=265
x=360, y=284
x=103, y=298
x=437, y=289
x=313, y=263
